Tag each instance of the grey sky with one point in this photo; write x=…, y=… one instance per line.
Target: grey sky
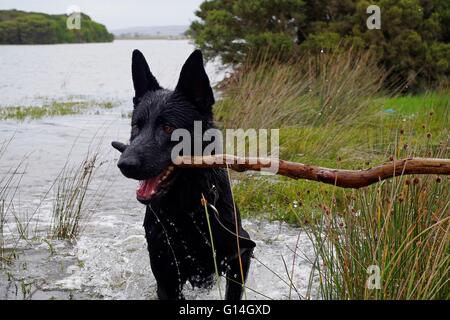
x=116, y=14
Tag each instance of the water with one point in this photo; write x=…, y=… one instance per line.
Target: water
x=110, y=259
x=30, y=73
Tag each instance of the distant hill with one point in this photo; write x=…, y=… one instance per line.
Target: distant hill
x=19, y=27
x=151, y=31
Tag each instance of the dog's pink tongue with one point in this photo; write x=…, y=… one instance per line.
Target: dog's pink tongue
x=146, y=188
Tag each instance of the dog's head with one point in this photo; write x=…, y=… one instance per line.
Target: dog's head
x=157, y=113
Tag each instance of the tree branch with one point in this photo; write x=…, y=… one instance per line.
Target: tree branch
x=339, y=177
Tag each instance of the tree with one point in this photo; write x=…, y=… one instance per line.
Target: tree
x=18, y=27
x=232, y=28
x=413, y=41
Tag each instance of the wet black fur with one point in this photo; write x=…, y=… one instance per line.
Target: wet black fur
x=175, y=224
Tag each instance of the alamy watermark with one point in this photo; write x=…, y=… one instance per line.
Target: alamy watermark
x=374, y=279
x=374, y=20
x=250, y=146
x=73, y=21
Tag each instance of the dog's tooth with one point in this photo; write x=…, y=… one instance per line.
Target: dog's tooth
x=170, y=169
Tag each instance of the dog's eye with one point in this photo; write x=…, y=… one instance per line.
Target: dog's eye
x=168, y=129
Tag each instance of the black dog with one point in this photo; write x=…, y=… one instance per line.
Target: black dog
x=175, y=222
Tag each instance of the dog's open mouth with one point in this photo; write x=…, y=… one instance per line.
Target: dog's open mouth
x=150, y=188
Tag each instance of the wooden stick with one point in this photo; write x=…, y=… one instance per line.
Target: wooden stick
x=339, y=177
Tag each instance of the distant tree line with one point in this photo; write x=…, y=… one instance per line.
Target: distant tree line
x=18, y=27
x=413, y=41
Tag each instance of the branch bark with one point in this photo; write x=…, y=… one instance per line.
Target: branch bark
x=339, y=177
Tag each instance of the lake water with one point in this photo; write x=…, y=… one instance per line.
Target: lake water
x=30, y=73
x=109, y=260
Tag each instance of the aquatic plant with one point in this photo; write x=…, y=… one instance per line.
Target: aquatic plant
x=52, y=109
x=69, y=208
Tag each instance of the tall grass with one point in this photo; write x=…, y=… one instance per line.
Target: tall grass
x=304, y=91
x=402, y=227
x=216, y=269
x=2, y=223
x=69, y=208
x=9, y=185
x=2, y=209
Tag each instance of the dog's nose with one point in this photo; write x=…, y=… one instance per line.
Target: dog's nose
x=129, y=166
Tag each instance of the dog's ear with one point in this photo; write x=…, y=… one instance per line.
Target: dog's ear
x=143, y=79
x=194, y=83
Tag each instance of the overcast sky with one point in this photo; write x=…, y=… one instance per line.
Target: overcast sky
x=116, y=14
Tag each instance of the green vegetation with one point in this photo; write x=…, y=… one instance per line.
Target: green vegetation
x=9, y=185
x=371, y=139
x=69, y=205
x=55, y=108
x=73, y=203
x=336, y=118
x=413, y=41
x=337, y=115
x=401, y=226
x=19, y=27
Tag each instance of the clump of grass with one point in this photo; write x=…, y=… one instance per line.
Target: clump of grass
x=106, y=105
x=2, y=223
x=55, y=108
x=308, y=90
x=205, y=206
x=2, y=207
x=402, y=227
x=69, y=203
x=9, y=185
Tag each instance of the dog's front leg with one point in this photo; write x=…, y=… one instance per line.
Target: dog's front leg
x=167, y=279
x=234, y=276
x=169, y=292
x=164, y=265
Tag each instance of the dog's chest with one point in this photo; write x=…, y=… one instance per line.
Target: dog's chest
x=185, y=234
